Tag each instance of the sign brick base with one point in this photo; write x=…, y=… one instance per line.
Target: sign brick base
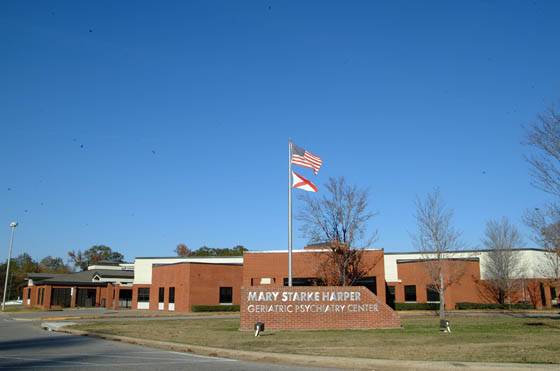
x=314, y=308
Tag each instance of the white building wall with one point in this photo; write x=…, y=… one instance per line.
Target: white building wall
x=533, y=261
x=143, y=266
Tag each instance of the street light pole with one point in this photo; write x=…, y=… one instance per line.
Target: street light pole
x=13, y=225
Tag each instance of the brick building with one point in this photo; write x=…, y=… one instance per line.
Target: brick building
x=404, y=278
x=176, y=284
x=270, y=268
x=100, y=286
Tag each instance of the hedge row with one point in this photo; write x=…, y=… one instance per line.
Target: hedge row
x=416, y=306
x=435, y=306
x=493, y=306
x=215, y=308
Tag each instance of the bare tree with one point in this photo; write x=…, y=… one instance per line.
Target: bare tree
x=182, y=250
x=534, y=292
x=437, y=240
x=339, y=220
x=546, y=232
x=94, y=255
x=503, y=266
x=543, y=137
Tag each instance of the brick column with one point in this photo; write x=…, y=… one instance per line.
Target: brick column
x=74, y=297
x=47, y=297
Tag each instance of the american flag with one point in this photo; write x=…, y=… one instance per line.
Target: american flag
x=304, y=158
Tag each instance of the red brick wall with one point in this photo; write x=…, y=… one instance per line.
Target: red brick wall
x=528, y=290
x=347, y=318
x=135, y=295
x=24, y=293
x=304, y=265
x=195, y=284
x=47, y=297
x=102, y=294
x=34, y=296
x=172, y=275
x=464, y=290
x=206, y=280
x=111, y=302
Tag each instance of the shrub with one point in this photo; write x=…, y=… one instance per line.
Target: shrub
x=493, y=306
x=215, y=308
x=417, y=306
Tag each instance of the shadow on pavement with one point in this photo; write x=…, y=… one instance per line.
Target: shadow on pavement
x=44, y=343
x=23, y=362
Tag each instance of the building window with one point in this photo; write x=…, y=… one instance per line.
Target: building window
x=144, y=294
x=410, y=293
x=171, y=295
x=553, y=293
x=61, y=296
x=28, y=293
x=369, y=283
x=432, y=294
x=302, y=281
x=226, y=294
x=161, y=295
x=543, y=298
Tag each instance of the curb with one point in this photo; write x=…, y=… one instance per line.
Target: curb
x=306, y=360
x=96, y=317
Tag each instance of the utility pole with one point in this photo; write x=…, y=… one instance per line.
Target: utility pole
x=13, y=225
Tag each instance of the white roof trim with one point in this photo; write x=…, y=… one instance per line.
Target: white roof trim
x=297, y=251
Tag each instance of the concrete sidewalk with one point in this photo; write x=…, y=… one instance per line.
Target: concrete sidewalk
x=102, y=314
x=311, y=360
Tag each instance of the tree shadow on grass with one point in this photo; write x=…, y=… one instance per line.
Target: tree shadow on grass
x=543, y=324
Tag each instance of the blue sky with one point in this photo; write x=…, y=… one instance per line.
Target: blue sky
x=140, y=125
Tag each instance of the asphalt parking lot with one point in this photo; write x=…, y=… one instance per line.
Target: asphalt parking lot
x=23, y=345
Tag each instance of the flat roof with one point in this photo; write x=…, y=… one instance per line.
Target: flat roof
x=401, y=261
x=203, y=263
x=191, y=257
x=461, y=251
x=285, y=251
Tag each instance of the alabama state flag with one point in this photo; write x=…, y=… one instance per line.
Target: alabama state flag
x=300, y=182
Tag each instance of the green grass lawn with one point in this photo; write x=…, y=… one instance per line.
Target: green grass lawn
x=21, y=309
x=499, y=338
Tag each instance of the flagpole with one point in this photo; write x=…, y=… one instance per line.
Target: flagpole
x=289, y=212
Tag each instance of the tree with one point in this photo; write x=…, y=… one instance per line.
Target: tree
x=182, y=250
x=546, y=233
x=503, y=266
x=77, y=258
x=437, y=240
x=340, y=219
x=94, y=255
x=20, y=266
x=50, y=264
x=533, y=288
x=543, y=137
x=25, y=264
x=213, y=251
